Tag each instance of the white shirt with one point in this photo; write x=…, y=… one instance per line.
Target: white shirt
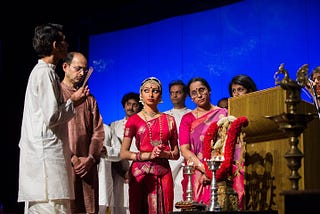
x=105, y=176
x=177, y=165
x=177, y=114
x=120, y=188
x=45, y=158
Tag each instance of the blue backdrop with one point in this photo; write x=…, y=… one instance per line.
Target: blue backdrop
x=249, y=37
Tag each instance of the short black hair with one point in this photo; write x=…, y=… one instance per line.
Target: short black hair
x=131, y=95
x=244, y=80
x=221, y=99
x=44, y=36
x=179, y=82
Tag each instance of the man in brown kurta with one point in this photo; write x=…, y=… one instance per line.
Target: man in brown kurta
x=86, y=135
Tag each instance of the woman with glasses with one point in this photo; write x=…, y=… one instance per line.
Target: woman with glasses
x=192, y=128
x=156, y=138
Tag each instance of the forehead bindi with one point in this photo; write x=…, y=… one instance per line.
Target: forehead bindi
x=196, y=85
x=151, y=86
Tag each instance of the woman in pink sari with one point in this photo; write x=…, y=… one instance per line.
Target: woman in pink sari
x=150, y=178
x=192, y=129
x=240, y=85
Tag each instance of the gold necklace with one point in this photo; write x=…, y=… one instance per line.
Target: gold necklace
x=151, y=115
x=154, y=143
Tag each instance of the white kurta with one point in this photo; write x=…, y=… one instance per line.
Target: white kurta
x=44, y=172
x=120, y=188
x=177, y=165
x=105, y=176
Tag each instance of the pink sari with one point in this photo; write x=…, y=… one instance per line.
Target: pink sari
x=192, y=131
x=151, y=182
x=238, y=174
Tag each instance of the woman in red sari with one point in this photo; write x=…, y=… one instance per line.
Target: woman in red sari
x=150, y=179
x=192, y=129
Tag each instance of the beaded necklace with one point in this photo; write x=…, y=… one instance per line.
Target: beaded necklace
x=150, y=114
x=154, y=143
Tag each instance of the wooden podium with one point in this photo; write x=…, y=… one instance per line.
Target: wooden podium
x=266, y=170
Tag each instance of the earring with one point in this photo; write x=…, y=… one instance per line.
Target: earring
x=141, y=100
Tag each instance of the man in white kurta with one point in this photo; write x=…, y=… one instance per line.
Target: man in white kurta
x=131, y=106
x=44, y=172
x=178, y=94
x=45, y=166
x=106, y=202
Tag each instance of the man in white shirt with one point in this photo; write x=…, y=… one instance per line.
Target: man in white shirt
x=106, y=202
x=45, y=166
x=131, y=106
x=178, y=93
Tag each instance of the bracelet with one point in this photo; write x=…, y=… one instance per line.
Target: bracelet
x=138, y=156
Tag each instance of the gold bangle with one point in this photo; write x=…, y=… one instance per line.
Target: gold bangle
x=138, y=156
x=149, y=156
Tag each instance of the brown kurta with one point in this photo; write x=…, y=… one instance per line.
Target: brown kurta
x=86, y=135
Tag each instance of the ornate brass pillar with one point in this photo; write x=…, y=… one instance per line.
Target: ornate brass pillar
x=292, y=122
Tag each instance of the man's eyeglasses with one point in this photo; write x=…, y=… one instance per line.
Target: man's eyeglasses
x=199, y=91
x=79, y=68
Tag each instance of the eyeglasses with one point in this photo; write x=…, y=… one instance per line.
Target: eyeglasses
x=79, y=68
x=200, y=91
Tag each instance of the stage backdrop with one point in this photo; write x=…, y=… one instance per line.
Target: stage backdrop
x=249, y=37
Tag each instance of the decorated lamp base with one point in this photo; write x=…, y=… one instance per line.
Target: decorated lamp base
x=214, y=166
x=189, y=204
